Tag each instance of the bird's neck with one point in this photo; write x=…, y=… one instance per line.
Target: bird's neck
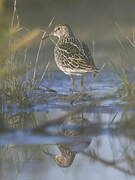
x=65, y=39
x=67, y=35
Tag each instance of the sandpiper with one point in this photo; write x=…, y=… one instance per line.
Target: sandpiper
x=72, y=127
x=72, y=56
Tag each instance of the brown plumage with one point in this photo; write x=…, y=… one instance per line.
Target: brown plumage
x=72, y=56
x=67, y=155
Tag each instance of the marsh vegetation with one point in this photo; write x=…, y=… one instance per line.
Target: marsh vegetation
x=39, y=114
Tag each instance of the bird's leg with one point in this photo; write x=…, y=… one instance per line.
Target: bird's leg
x=72, y=82
x=81, y=84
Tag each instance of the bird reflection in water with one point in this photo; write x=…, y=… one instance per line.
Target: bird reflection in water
x=71, y=127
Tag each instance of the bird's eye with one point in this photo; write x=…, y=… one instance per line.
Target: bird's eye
x=58, y=28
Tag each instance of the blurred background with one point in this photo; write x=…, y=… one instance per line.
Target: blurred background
x=34, y=92
x=104, y=22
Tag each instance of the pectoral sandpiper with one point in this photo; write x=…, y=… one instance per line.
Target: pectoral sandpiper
x=72, y=56
x=70, y=128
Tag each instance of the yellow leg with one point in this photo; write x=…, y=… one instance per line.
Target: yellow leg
x=81, y=84
x=72, y=82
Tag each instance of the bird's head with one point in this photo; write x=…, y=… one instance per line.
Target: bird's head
x=61, y=30
x=63, y=161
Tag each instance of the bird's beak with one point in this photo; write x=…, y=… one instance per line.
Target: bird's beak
x=47, y=35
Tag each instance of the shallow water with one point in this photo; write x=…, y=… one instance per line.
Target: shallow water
x=95, y=125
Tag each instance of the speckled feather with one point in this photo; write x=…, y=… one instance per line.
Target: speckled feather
x=73, y=56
